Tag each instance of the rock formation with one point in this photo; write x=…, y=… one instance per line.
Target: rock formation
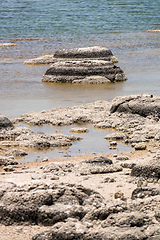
x=84, y=65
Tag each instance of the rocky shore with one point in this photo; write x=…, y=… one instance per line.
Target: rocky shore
x=104, y=197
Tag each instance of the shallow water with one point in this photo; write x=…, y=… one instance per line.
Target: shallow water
x=41, y=27
x=92, y=142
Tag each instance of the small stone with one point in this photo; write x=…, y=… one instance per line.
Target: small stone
x=119, y=194
x=113, y=143
x=140, y=146
x=45, y=159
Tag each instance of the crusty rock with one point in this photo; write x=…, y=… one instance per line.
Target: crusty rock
x=46, y=204
x=143, y=192
x=15, y=152
x=99, y=160
x=115, y=136
x=78, y=70
x=84, y=65
x=140, y=146
x=79, y=130
x=4, y=161
x=95, y=52
x=24, y=137
x=151, y=170
x=143, y=105
x=5, y=122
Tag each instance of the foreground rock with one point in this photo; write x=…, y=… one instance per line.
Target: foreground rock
x=72, y=211
x=75, y=212
x=5, y=122
x=4, y=161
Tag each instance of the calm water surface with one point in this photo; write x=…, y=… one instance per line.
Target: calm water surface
x=41, y=27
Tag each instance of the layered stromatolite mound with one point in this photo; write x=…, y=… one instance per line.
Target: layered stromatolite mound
x=84, y=65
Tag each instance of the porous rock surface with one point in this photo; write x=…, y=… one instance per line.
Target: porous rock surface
x=5, y=123
x=136, y=118
x=72, y=211
x=75, y=212
x=84, y=65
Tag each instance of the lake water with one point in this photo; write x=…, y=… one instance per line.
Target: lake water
x=42, y=27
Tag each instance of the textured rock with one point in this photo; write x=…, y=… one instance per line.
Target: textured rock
x=79, y=130
x=4, y=161
x=143, y=105
x=145, y=192
x=84, y=65
x=15, y=152
x=24, y=137
x=151, y=170
x=46, y=204
x=132, y=126
x=99, y=160
x=88, y=52
x=5, y=122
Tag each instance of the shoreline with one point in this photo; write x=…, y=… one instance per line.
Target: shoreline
x=119, y=183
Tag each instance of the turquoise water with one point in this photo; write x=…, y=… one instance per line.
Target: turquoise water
x=41, y=27
x=81, y=19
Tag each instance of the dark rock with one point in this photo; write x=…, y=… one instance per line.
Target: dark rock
x=4, y=161
x=146, y=170
x=15, y=152
x=5, y=122
x=88, y=52
x=99, y=160
x=122, y=158
x=143, y=192
x=140, y=146
x=40, y=203
x=143, y=105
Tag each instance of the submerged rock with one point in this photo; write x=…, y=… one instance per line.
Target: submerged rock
x=84, y=65
x=7, y=44
x=46, y=59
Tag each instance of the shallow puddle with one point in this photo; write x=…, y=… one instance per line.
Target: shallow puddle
x=93, y=142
